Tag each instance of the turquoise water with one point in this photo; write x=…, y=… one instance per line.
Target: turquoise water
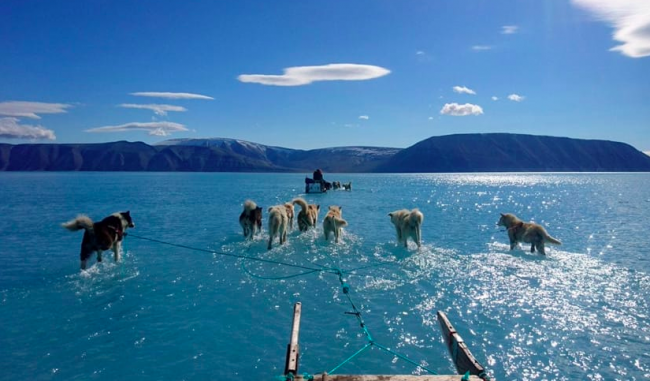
x=169, y=313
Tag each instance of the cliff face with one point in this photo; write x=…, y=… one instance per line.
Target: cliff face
x=515, y=153
x=452, y=153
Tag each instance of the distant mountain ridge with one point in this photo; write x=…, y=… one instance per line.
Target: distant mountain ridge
x=495, y=152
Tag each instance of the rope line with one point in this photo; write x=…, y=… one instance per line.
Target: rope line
x=310, y=270
x=313, y=269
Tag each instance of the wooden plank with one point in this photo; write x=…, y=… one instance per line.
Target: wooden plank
x=293, y=353
x=391, y=377
x=460, y=354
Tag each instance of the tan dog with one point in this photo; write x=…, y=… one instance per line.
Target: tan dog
x=290, y=213
x=333, y=223
x=527, y=232
x=308, y=215
x=407, y=224
x=278, y=222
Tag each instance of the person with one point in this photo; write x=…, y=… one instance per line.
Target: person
x=318, y=175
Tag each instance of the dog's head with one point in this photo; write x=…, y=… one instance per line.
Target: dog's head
x=126, y=219
x=507, y=220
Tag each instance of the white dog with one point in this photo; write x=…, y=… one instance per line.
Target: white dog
x=407, y=224
x=333, y=223
x=278, y=224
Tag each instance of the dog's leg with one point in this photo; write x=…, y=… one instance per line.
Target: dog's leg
x=336, y=234
x=83, y=264
x=117, y=249
x=418, y=235
x=270, y=242
x=540, y=248
x=99, y=255
x=532, y=247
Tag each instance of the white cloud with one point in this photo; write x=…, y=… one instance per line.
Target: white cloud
x=156, y=108
x=630, y=20
x=304, y=75
x=481, y=47
x=516, y=98
x=171, y=95
x=509, y=29
x=153, y=128
x=31, y=110
x=420, y=53
x=364, y=117
x=455, y=109
x=11, y=129
x=463, y=90
x=495, y=98
x=430, y=118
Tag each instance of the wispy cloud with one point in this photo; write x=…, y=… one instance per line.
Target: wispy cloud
x=495, y=98
x=516, y=98
x=156, y=108
x=630, y=20
x=509, y=29
x=420, y=53
x=31, y=110
x=171, y=95
x=152, y=128
x=481, y=47
x=11, y=129
x=364, y=117
x=304, y=75
x=463, y=90
x=456, y=109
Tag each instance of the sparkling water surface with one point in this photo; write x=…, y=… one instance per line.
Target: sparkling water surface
x=164, y=312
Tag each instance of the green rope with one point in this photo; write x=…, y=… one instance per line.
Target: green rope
x=243, y=267
x=229, y=254
x=323, y=269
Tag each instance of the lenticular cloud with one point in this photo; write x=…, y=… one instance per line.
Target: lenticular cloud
x=631, y=22
x=153, y=128
x=304, y=75
x=11, y=129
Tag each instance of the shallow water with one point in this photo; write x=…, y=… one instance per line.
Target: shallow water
x=167, y=312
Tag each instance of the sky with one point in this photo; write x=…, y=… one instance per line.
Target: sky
x=313, y=74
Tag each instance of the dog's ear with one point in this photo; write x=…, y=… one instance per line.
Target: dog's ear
x=318, y=207
x=269, y=211
x=390, y=214
x=502, y=215
x=259, y=208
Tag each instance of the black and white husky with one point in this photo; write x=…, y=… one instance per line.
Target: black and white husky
x=101, y=236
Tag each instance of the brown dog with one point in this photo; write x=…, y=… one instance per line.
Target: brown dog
x=333, y=223
x=527, y=232
x=101, y=236
x=308, y=215
x=251, y=219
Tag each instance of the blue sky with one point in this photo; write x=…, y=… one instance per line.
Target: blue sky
x=379, y=73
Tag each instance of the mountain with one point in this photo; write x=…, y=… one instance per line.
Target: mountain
x=337, y=159
x=516, y=153
x=451, y=153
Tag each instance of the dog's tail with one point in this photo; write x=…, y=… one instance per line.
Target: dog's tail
x=249, y=205
x=549, y=239
x=416, y=217
x=81, y=222
x=301, y=202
